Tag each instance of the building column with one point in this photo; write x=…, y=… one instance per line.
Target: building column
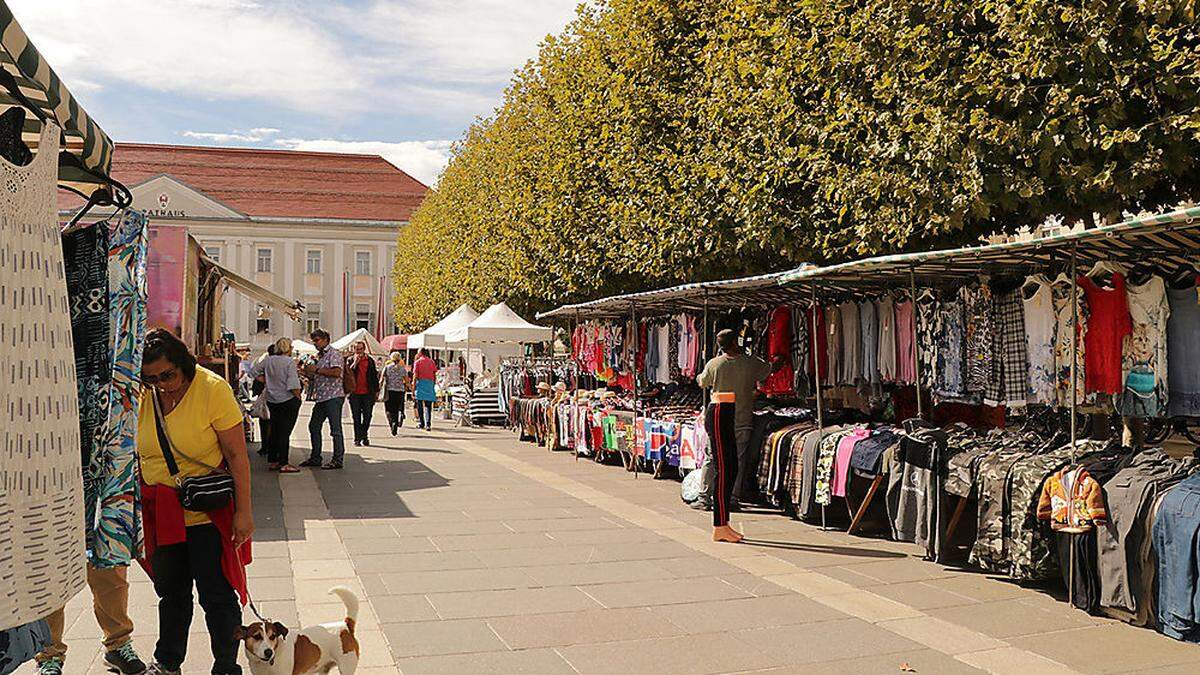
x=287, y=327
x=247, y=263
x=337, y=320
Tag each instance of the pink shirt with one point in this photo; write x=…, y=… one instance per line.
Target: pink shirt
x=425, y=368
x=905, y=368
x=841, y=464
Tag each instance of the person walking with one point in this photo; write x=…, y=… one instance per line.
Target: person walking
x=258, y=384
x=281, y=387
x=190, y=425
x=424, y=391
x=328, y=394
x=394, y=385
x=733, y=375
x=362, y=382
x=110, y=603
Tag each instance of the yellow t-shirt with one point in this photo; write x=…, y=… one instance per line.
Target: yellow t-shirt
x=206, y=408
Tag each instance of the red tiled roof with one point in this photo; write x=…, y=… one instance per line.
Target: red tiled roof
x=276, y=183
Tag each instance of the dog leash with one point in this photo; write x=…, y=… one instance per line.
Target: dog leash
x=237, y=550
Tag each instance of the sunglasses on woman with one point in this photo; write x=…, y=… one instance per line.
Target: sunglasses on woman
x=168, y=375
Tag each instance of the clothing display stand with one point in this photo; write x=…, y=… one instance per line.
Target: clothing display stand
x=912, y=289
x=1074, y=396
x=812, y=294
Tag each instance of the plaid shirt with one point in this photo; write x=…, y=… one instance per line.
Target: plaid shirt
x=325, y=388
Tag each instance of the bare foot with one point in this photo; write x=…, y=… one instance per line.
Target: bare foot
x=726, y=533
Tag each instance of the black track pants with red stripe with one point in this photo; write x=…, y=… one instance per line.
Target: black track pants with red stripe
x=722, y=447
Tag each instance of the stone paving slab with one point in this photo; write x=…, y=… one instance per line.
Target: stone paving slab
x=475, y=553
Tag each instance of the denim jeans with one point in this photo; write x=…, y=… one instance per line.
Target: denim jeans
x=424, y=414
x=1175, y=544
x=327, y=410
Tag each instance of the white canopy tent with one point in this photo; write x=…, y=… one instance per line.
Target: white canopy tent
x=496, y=333
x=303, y=347
x=344, y=343
x=434, y=337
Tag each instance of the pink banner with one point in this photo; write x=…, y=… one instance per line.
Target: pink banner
x=165, y=268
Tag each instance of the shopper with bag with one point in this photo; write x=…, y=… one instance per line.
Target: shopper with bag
x=196, y=509
x=280, y=401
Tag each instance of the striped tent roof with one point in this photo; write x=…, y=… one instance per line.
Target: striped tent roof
x=82, y=137
x=1170, y=239
x=723, y=293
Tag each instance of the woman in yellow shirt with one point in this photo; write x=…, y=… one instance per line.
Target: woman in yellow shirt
x=184, y=548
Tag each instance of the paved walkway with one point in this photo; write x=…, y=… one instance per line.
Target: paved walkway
x=475, y=553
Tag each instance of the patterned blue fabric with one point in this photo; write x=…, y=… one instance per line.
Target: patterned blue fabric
x=114, y=505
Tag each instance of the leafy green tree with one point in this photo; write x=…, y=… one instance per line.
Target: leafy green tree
x=655, y=142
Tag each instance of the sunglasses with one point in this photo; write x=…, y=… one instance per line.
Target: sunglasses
x=164, y=377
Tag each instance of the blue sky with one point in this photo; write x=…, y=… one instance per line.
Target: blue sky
x=400, y=78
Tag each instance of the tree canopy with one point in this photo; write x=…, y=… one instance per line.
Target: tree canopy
x=655, y=142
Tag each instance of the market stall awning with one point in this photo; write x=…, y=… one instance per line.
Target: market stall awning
x=34, y=77
x=723, y=293
x=498, y=323
x=292, y=308
x=434, y=337
x=1169, y=239
x=344, y=343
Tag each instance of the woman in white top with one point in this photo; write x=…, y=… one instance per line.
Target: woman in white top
x=283, y=398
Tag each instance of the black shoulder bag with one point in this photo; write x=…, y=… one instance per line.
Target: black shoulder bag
x=196, y=493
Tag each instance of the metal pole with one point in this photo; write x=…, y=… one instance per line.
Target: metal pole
x=633, y=367
x=816, y=359
x=912, y=289
x=1074, y=423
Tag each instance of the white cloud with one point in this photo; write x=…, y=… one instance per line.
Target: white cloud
x=255, y=135
x=470, y=41
x=214, y=49
x=423, y=160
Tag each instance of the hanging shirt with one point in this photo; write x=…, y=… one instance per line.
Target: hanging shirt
x=886, y=312
x=905, y=367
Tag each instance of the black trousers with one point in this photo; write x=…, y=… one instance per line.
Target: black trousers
x=177, y=568
x=722, y=446
x=283, y=420
x=393, y=404
x=361, y=407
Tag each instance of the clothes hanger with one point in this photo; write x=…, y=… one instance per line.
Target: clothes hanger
x=1183, y=277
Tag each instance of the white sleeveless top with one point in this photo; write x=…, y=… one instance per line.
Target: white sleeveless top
x=42, y=555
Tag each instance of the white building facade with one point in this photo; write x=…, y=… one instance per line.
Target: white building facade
x=315, y=227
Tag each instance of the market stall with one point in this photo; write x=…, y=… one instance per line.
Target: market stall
x=995, y=380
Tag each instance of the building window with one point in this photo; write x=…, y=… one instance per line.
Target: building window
x=264, y=260
x=213, y=253
x=362, y=316
x=262, y=322
x=312, y=317
x=313, y=263
x=362, y=263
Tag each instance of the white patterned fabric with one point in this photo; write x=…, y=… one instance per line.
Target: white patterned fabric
x=41, y=497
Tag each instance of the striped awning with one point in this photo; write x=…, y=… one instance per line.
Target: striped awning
x=82, y=137
x=1170, y=239
x=723, y=293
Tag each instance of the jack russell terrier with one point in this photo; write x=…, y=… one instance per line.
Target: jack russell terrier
x=274, y=650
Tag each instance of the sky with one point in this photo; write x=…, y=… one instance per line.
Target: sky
x=398, y=78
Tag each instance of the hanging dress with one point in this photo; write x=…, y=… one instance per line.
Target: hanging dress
x=906, y=371
x=1108, y=324
x=1183, y=352
x=885, y=310
x=41, y=507
x=1064, y=327
x=1039, y=340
